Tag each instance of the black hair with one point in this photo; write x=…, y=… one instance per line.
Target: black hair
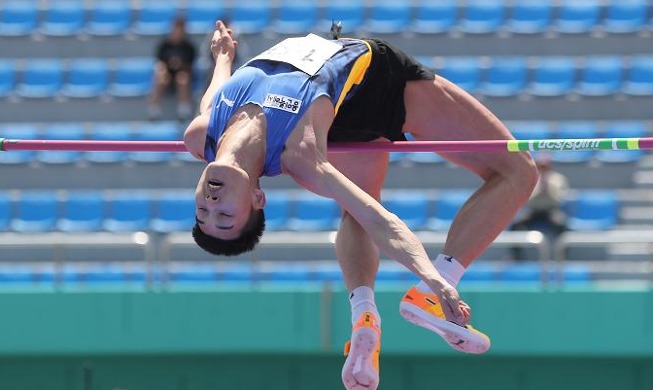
x=247, y=240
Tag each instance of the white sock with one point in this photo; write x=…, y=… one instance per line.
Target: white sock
x=362, y=300
x=450, y=269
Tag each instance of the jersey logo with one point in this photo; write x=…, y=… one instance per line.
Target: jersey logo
x=284, y=103
x=223, y=99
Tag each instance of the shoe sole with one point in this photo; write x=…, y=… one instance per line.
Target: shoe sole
x=358, y=373
x=458, y=337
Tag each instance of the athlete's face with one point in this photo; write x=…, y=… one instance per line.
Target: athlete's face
x=224, y=199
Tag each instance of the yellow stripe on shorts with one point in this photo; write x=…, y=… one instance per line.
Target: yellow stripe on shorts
x=356, y=74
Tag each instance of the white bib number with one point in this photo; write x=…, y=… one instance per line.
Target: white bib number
x=281, y=102
x=307, y=54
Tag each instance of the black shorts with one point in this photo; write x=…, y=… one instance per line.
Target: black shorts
x=376, y=107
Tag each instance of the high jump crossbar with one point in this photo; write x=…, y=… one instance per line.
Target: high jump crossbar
x=552, y=145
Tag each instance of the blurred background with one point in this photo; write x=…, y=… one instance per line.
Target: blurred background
x=102, y=287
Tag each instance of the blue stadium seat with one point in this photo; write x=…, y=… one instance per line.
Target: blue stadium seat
x=525, y=272
x=313, y=213
x=575, y=129
x=109, y=18
x=156, y=131
x=109, y=131
x=87, y=78
x=251, y=17
x=104, y=273
x=284, y=273
x=530, y=17
x=82, y=211
x=194, y=273
x=202, y=15
x=410, y=207
x=235, y=273
x=424, y=158
x=531, y=272
x=35, y=212
x=427, y=61
x=18, y=18
x=527, y=130
x=328, y=272
x=296, y=17
x=388, y=17
x=18, y=131
x=447, y=204
x=18, y=274
x=480, y=272
x=7, y=78
x=576, y=273
x=61, y=131
x=63, y=18
x=462, y=71
x=433, y=16
x=5, y=211
x=350, y=12
x=397, y=157
x=132, y=78
x=393, y=272
x=601, y=76
x=639, y=76
x=154, y=17
x=277, y=211
x=553, y=76
x=627, y=16
x=623, y=129
x=506, y=76
x=40, y=79
x=578, y=16
x=128, y=213
x=173, y=213
x=593, y=210
x=482, y=16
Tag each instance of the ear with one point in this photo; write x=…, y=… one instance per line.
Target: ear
x=259, y=198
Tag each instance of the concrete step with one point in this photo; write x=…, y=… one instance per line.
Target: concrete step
x=644, y=178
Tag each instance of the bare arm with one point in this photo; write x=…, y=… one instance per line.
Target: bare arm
x=223, y=48
x=310, y=168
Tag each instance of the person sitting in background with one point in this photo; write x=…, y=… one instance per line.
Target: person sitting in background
x=544, y=211
x=174, y=66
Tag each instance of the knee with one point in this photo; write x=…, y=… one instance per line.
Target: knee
x=161, y=77
x=520, y=173
x=182, y=79
x=524, y=175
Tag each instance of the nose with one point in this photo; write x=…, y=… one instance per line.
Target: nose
x=214, y=198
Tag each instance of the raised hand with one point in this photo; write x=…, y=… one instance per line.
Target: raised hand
x=222, y=44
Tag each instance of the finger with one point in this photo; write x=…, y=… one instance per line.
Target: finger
x=458, y=312
x=222, y=28
x=467, y=310
x=466, y=313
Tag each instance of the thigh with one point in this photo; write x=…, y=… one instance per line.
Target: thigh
x=439, y=110
x=366, y=170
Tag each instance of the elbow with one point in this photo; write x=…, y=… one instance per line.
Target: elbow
x=195, y=137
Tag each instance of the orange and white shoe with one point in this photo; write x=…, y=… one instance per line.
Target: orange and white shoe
x=361, y=369
x=424, y=309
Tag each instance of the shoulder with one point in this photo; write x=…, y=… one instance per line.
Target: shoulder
x=195, y=136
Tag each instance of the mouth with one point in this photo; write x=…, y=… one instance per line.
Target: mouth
x=214, y=185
